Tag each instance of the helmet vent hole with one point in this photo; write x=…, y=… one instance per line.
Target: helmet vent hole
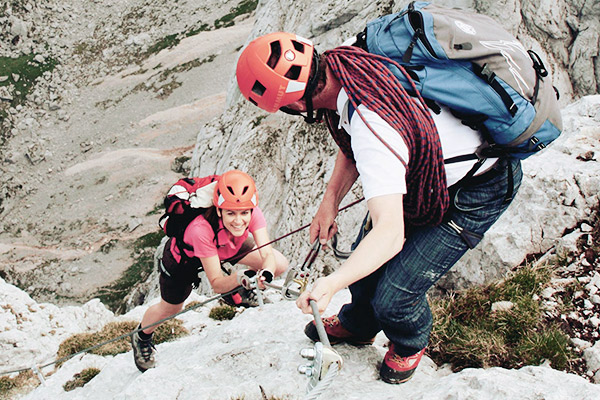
x=294, y=72
x=244, y=190
x=258, y=88
x=298, y=46
x=275, y=54
x=230, y=190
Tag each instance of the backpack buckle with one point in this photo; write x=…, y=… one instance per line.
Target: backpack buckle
x=487, y=74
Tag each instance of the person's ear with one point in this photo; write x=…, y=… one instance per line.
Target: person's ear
x=218, y=212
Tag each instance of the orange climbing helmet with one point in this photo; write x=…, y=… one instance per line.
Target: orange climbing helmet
x=274, y=70
x=235, y=190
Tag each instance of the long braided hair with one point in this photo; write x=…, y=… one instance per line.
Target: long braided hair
x=368, y=81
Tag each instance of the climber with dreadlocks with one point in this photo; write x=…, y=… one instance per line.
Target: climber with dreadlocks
x=423, y=214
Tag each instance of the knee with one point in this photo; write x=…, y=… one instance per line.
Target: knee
x=167, y=309
x=405, y=316
x=281, y=264
x=397, y=306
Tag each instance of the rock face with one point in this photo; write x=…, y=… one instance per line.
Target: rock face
x=558, y=194
x=251, y=354
x=31, y=332
x=291, y=161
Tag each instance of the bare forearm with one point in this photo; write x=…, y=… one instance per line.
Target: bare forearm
x=378, y=247
x=268, y=261
x=220, y=283
x=225, y=283
x=342, y=178
x=382, y=243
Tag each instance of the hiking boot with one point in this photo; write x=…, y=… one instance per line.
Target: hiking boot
x=336, y=333
x=143, y=352
x=397, y=369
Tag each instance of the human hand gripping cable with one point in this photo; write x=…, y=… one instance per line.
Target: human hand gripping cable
x=321, y=292
x=264, y=276
x=246, y=278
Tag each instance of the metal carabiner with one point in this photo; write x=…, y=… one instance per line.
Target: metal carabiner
x=299, y=275
x=343, y=255
x=312, y=255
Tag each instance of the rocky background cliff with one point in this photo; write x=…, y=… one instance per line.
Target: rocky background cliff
x=133, y=90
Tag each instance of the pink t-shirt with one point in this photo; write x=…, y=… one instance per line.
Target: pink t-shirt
x=200, y=236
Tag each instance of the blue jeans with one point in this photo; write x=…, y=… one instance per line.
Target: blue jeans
x=393, y=298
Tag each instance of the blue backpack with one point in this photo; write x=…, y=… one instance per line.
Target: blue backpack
x=469, y=63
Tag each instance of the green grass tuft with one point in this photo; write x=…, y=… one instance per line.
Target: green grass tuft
x=467, y=333
x=169, y=330
x=80, y=379
x=244, y=7
x=222, y=313
x=26, y=70
x=167, y=42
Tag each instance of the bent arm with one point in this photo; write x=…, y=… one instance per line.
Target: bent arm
x=261, y=237
x=342, y=178
x=382, y=243
x=220, y=282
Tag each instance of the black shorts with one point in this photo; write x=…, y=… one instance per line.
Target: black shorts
x=178, y=279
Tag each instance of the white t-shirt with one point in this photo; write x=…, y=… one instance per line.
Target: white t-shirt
x=381, y=172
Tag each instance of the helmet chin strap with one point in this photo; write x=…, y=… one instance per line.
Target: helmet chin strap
x=309, y=117
x=310, y=88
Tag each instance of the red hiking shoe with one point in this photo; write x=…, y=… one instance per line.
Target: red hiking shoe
x=396, y=369
x=336, y=333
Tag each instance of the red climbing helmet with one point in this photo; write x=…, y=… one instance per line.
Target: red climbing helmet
x=274, y=70
x=235, y=190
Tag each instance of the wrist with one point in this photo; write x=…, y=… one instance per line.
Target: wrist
x=246, y=278
x=335, y=281
x=330, y=200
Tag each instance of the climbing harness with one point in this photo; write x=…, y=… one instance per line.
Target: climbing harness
x=342, y=255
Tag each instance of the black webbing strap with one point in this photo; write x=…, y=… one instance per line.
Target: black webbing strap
x=464, y=157
x=470, y=177
x=540, y=73
x=485, y=73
